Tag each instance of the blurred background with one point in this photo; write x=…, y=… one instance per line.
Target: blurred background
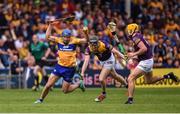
x=23, y=25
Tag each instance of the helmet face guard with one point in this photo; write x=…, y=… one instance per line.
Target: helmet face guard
x=66, y=35
x=93, y=41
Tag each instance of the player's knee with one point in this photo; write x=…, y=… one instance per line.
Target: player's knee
x=101, y=80
x=130, y=78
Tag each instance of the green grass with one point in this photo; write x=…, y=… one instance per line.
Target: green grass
x=146, y=100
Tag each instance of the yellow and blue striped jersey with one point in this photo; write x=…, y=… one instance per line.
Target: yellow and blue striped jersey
x=67, y=53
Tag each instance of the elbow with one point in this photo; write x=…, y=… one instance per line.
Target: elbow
x=144, y=49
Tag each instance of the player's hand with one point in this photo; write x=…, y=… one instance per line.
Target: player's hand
x=111, y=26
x=125, y=57
x=131, y=55
x=52, y=22
x=82, y=76
x=43, y=58
x=85, y=30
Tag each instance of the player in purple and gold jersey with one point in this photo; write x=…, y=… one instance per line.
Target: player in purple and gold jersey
x=145, y=57
x=66, y=65
x=104, y=52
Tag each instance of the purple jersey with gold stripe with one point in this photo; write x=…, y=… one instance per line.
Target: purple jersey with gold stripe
x=103, y=52
x=136, y=39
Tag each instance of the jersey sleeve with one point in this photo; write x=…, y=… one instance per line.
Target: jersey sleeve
x=136, y=40
x=56, y=39
x=76, y=40
x=108, y=46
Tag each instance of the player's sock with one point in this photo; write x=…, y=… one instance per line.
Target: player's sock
x=104, y=93
x=130, y=99
x=82, y=86
x=36, y=84
x=41, y=100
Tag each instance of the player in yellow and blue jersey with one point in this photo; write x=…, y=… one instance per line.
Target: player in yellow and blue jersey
x=66, y=65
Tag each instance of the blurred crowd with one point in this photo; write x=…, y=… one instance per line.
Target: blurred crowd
x=23, y=26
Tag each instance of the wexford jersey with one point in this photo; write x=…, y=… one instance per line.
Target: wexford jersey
x=148, y=54
x=67, y=53
x=103, y=52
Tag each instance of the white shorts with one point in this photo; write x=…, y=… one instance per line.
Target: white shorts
x=108, y=64
x=146, y=65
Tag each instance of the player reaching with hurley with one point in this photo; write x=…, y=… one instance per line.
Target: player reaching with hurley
x=145, y=57
x=104, y=52
x=66, y=65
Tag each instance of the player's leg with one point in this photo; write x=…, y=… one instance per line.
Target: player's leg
x=52, y=79
x=104, y=72
x=45, y=76
x=68, y=87
x=118, y=77
x=38, y=77
x=150, y=79
x=131, y=83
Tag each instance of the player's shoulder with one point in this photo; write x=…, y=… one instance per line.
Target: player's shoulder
x=137, y=36
x=59, y=40
x=74, y=40
x=105, y=43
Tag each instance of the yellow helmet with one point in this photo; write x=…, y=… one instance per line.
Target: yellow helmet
x=132, y=28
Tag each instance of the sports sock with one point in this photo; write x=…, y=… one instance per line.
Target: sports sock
x=130, y=99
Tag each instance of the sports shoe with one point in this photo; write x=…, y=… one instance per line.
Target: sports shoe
x=35, y=88
x=172, y=76
x=100, y=98
x=128, y=102
x=39, y=101
x=82, y=86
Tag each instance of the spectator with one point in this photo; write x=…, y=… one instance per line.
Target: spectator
x=160, y=49
x=16, y=67
x=4, y=53
x=23, y=19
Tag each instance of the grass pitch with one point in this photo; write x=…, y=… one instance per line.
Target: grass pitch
x=146, y=100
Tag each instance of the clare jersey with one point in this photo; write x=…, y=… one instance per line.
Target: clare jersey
x=67, y=53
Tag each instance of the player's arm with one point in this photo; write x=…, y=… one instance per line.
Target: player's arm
x=85, y=64
x=120, y=55
x=47, y=52
x=142, y=49
x=83, y=41
x=48, y=33
x=86, y=32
